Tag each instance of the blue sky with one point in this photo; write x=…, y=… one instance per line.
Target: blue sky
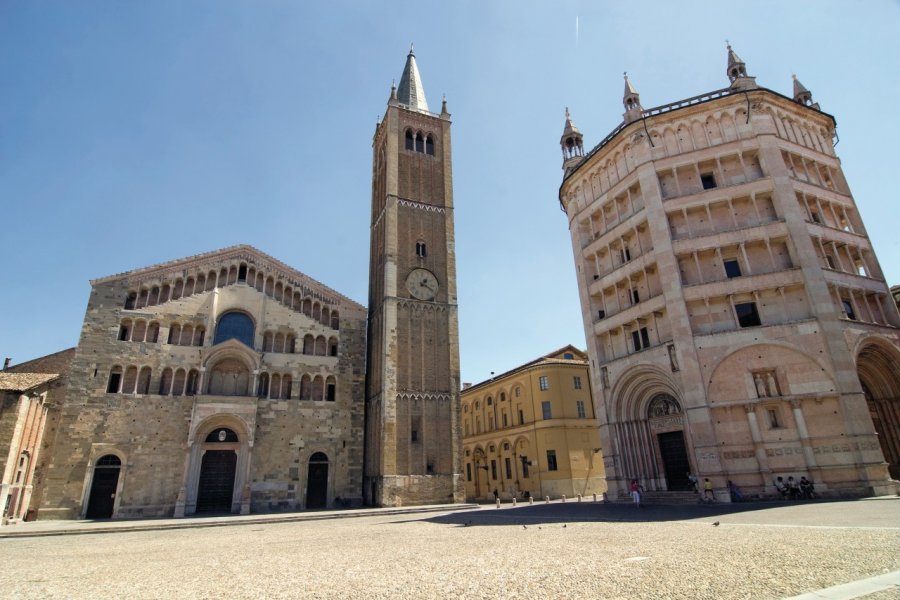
x=133, y=133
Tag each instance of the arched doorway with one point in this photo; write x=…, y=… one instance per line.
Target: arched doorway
x=215, y=489
x=317, y=481
x=664, y=414
x=878, y=374
x=102, y=499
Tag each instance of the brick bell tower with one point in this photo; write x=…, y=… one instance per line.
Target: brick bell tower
x=413, y=438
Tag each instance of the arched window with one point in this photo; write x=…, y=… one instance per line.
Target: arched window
x=332, y=347
x=125, y=330
x=114, y=385
x=420, y=142
x=235, y=325
x=330, y=389
x=165, y=382
x=153, y=333
x=130, y=300
x=421, y=250
x=262, y=389
x=335, y=320
x=409, y=140
x=429, y=146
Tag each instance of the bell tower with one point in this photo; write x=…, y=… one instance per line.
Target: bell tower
x=413, y=437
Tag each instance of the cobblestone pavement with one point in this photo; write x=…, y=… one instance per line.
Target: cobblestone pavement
x=543, y=551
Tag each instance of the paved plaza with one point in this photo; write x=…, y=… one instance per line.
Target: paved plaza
x=571, y=550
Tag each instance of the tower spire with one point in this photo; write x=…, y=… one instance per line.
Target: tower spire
x=737, y=71
x=572, y=144
x=802, y=95
x=410, y=91
x=632, y=102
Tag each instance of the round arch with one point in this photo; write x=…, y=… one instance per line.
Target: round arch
x=103, y=483
x=634, y=390
x=877, y=368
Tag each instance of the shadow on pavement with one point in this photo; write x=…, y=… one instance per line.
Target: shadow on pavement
x=589, y=512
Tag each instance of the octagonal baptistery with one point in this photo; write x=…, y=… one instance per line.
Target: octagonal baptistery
x=738, y=322
x=226, y=382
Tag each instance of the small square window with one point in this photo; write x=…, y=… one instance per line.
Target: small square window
x=544, y=383
x=732, y=268
x=747, y=314
x=708, y=181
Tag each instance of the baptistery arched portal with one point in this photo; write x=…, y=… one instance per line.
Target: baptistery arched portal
x=648, y=429
x=229, y=377
x=215, y=489
x=664, y=417
x=317, y=481
x=878, y=374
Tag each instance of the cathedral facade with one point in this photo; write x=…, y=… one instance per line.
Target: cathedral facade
x=229, y=382
x=738, y=322
x=225, y=382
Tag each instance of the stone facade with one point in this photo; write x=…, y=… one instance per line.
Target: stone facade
x=223, y=382
x=738, y=322
x=412, y=391
x=532, y=431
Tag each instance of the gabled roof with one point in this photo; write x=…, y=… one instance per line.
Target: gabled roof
x=22, y=382
x=58, y=362
x=241, y=251
x=411, y=92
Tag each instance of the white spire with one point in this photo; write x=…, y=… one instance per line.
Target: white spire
x=410, y=91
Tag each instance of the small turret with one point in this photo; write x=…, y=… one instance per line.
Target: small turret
x=632, y=102
x=444, y=112
x=802, y=95
x=572, y=143
x=737, y=71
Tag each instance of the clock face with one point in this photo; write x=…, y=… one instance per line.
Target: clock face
x=422, y=284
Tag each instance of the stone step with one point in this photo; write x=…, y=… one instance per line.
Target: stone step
x=670, y=498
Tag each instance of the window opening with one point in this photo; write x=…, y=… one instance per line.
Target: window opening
x=579, y=406
x=708, y=181
x=848, y=310
x=551, y=460
x=547, y=410
x=640, y=338
x=747, y=314
x=544, y=383
x=732, y=268
x=421, y=250
x=429, y=146
x=576, y=380
x=409, y=140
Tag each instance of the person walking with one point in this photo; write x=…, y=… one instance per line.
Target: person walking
x=708, y=495
x=636, y=491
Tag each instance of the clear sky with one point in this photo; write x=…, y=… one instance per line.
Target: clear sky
x=133, y=133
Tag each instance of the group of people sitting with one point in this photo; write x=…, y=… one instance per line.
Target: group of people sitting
x=790, y=489
x=795, y=490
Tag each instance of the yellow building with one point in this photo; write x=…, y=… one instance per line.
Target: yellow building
x=533, y=431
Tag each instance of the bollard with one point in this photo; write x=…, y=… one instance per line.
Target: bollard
x=547, y=499
x=595, y=496
x=514, y=501
x=498, y=502
x=564, y=498
x=579, y=497
x=530, y=500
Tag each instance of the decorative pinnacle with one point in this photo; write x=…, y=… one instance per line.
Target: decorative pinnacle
x=411, y=49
